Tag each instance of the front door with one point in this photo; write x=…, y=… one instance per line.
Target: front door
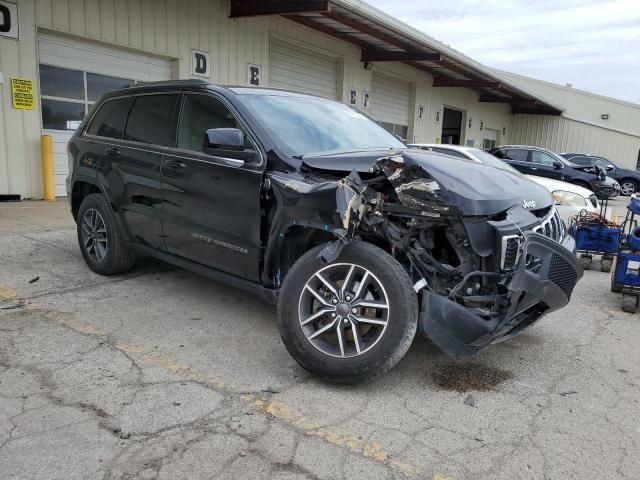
x=544, y=165
x=211, y=199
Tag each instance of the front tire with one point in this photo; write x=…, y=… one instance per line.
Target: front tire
x=628, y=187
x=349, y=320
x=100, y=239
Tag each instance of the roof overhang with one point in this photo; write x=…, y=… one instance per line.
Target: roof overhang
x=383, y=38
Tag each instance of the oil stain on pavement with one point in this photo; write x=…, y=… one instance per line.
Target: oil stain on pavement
x=465, y=376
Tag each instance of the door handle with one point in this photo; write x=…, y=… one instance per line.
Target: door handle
x=534, y=168
x=112, y=151
x=175, y=164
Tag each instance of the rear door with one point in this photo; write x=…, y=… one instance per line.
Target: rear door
x=131, y=167
x=211, y=198
x=518, y=158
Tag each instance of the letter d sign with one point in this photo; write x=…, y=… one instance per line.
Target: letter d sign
x=200, y=64
x=8, y=19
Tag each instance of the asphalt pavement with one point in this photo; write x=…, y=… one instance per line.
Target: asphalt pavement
x=160, y=373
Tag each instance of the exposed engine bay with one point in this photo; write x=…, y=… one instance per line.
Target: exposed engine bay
x=484, y=272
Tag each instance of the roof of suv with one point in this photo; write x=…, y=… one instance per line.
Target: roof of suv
x=194, y=84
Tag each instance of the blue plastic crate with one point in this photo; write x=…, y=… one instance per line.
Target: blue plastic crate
x=596, y=238
x=627, y=269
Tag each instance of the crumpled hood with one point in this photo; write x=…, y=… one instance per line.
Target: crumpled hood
x=469, y=187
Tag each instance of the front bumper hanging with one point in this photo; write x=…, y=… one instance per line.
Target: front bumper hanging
x=543, y=282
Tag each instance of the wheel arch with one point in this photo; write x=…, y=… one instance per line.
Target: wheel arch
x=294, y=240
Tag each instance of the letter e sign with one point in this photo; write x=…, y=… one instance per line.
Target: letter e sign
x=254, y=74
x=9, y=19
x=200, y=64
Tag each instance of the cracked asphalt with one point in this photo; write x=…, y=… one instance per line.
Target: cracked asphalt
x=163, y=374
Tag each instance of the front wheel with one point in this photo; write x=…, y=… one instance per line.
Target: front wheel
x=350, y=320
x=628, y=187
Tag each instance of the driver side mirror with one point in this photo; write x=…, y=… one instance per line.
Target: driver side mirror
x=224, y=139
x=610, y=168
x=557, y=165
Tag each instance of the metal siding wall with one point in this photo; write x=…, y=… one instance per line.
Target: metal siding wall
x=561, y=134
x=171, y=28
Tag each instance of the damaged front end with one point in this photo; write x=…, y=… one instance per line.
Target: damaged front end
x=484, y=272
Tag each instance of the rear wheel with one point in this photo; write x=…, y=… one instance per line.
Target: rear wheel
x=100, y=239
x=350, y=320
x=628, y=187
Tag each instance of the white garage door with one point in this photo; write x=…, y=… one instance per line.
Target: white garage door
x=302, y=70
x=391, y=103
x=73, y=75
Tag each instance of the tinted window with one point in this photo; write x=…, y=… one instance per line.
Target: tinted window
x=542, y=158
x=199, y=114
x=581, y=160
x=517, y=154
x=110, y=118
x=150, y=120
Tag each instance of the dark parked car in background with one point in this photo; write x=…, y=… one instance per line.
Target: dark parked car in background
x=629, y=180
x=545, y=163
x=360, y=240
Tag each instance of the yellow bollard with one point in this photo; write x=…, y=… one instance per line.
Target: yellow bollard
x=48, y=184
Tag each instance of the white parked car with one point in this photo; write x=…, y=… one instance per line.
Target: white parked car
x=570, y=199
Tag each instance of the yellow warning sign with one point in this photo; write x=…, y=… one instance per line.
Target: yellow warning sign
x=22, y=96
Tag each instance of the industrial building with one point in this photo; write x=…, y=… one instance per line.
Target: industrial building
x=58, y=57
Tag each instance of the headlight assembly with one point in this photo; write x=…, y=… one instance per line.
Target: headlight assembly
x=571, y=199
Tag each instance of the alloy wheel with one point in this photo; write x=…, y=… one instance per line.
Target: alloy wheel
x=343, y=310
x=627, y=188
x=94, y=235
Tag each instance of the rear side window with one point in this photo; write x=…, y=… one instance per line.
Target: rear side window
x=586, y=161
x=151, y=120
x=109, y=119
x=517, y=154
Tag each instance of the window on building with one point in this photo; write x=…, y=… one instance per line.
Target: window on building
x=110, y=118
x=67, y=94
x=488, y=143
x=400, y=131
x=151, y=120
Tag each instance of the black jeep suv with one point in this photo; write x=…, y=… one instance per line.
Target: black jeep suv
x=545, y=163
x=309, y=203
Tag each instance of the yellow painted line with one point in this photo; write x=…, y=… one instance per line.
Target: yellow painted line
x=280, y=410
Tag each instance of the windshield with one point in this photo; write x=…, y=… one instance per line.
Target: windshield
x=492, y=161
x=303, y=125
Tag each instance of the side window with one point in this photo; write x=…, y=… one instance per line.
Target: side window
x=542, y=158
x=520, y=155
x=199, y=114
x=602, y=162
x=151, y=120
x=109, y=119
x=584, y=161
x=499, y=154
